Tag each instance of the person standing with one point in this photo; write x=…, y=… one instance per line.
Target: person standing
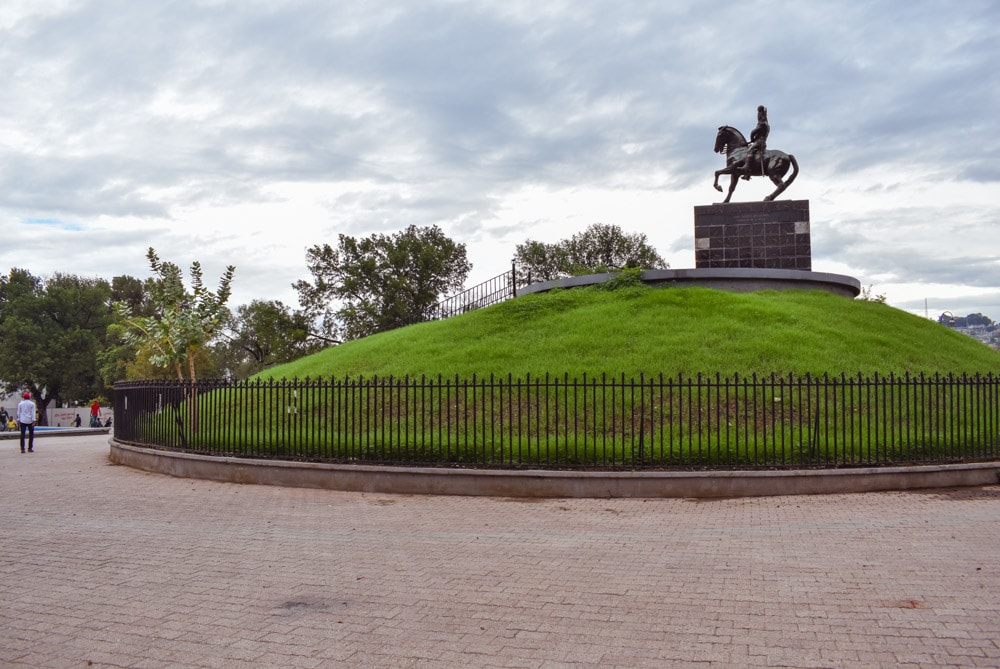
x=95, y=414
x=26, y=421
x=757, y=145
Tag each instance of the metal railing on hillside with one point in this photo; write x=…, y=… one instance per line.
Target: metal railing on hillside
x=606, y=422
x=492, y=291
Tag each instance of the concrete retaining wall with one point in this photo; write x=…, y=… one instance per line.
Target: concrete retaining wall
x=733, y=280
x=544, y=483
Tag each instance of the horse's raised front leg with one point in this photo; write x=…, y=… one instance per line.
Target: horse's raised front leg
x=716, y=182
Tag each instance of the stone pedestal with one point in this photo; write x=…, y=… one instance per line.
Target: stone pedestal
x=759, y=235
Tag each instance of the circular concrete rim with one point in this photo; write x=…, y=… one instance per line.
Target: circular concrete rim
x=59, y=432
x=742, y=280
x=547, y=483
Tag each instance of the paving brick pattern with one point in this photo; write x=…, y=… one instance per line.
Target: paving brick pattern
x=106, y=566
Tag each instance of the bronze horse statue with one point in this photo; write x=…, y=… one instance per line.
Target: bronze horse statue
x=731, y=142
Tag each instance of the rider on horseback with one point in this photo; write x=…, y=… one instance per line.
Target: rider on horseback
x=757, y=145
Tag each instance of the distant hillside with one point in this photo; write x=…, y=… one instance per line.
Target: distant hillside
x=652, y=330
x=976, y=326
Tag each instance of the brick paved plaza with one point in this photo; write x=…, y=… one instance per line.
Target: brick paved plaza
x=106, y=566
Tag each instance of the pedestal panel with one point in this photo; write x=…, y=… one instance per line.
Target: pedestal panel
x=753, y=235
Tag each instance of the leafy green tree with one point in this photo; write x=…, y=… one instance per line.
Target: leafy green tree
x=969, y=320
x=118, y=359
x=380, y=282
x=183, y=322
x=599, y=248
x=543, y=262
x=264, y=333
x=978, y=319
x=50, y=334
x=133, y=292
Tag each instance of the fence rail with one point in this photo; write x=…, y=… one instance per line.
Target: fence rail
x=492, y=291
x=606, y=422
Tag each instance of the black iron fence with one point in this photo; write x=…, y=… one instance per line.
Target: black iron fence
x=605, y=422
x=498, y=289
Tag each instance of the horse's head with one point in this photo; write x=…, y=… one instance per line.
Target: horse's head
x=729, y=138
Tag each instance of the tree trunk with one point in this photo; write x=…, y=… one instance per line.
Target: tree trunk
x=43, y=409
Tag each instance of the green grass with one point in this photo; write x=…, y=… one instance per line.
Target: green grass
x=662, y=423
x=659, y=330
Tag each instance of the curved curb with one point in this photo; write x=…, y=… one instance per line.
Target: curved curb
x=729, y=279
x=545, y=483
x=58, y=432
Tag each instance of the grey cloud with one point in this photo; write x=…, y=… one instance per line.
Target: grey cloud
x=139, y=109
x=958, y=304
x=924, y=246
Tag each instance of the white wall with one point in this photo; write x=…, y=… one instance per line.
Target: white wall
x=60, y=417
x=65, y=417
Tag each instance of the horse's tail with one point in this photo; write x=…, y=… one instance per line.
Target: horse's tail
x=795, y=170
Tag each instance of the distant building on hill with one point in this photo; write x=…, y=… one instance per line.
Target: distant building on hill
x=976, y=326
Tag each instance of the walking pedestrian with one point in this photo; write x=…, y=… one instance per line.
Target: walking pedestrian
x=26, y=411
x=95, y=414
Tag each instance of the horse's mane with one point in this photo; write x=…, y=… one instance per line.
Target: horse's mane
x=734, y=131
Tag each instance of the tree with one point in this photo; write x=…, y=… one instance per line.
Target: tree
x=599, y=248
x=117, y=360
x=978, y=319
x=50, y=334
x=264, y=333
x=541, y=261
x=183, y=323
x=380, y=282
x=971, y=320
x=133, y=292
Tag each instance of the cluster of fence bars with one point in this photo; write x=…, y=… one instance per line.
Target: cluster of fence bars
x=591, y=422
x=492, y=291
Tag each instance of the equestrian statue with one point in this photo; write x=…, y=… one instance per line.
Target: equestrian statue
x=753, y=159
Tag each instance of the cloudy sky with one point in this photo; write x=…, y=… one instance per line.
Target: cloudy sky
x=242, y=132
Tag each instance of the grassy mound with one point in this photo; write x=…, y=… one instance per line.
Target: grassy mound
x=659, y=330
